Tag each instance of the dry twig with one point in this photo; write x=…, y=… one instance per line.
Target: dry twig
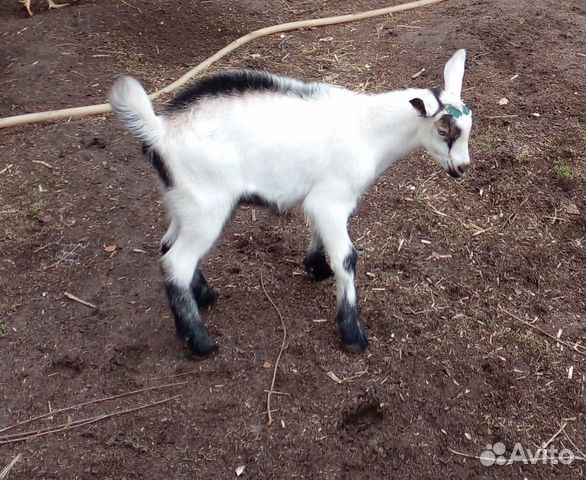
x=555, y=435
x=79, y=423
x=44, y=164
x=283, y=344
x=563, y=428
x=90, y=402
x=415, y=75
x=6, y=470
x=8, y=167
x=67, y=255
x=547, y=334
x=465, y=454
x=182, y=374
x=79, y=300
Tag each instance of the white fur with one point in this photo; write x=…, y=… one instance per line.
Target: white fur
x=133, y=106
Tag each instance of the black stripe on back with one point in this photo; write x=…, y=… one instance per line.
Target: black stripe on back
x=238, y=82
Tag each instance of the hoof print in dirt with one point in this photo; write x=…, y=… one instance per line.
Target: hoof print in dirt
x=94, y=142
x=363, y=416
x=71, y=363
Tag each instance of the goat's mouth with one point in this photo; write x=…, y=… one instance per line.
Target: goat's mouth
x=455, y=172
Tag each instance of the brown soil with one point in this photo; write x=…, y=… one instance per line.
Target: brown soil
x=447, y=369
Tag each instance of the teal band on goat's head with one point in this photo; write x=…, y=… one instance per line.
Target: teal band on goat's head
x=454, y=112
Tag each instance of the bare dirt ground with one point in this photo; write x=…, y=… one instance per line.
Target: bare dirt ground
x=441, y=262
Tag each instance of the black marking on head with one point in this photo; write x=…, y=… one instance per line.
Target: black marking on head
x=188, y=323
x=437, y=92
x=157, y=161
x=350, y=262
x=238, y=82
x=448, y=124
x=350, y=326
x=419, y=106
x=317, y=266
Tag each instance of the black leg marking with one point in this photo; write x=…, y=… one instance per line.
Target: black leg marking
x=350, y=262
x=188, y=322
x=348, y=318
x=351, y=329
x=317, y=266
x=159, y=164
x=205, y=296
x=165, y=247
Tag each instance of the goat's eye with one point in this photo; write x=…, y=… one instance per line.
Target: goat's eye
x=442, y=133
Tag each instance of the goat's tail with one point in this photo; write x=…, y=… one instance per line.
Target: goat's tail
x=135, y=110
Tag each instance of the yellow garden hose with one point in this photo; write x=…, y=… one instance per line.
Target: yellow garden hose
x=284, y=27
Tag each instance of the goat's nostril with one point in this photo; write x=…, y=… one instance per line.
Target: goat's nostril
x=462, y=168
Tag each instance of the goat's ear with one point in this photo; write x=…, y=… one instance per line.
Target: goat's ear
x=454, y=73
x=419, y=106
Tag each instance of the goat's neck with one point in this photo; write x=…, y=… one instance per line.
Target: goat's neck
x=391, y=124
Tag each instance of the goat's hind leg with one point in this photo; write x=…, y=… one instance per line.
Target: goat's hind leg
x=185, y=283
x=205, y=295
x=315, y=261
x=170, y=236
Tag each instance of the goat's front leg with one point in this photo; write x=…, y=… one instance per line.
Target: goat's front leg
x=315, y=261
x=330, y=222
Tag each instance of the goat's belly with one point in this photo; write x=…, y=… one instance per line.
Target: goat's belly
x=276, y=192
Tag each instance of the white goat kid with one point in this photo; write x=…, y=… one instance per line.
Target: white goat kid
x=252, y=137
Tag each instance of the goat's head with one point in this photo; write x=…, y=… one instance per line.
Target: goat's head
x=447, y=120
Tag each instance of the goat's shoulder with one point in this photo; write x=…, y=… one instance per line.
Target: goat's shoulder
x=241, y=82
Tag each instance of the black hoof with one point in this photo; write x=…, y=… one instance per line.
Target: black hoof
x=358, y=346
x=201, y=346
x=317, y=266
x=351, y=330
x=354, y=340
